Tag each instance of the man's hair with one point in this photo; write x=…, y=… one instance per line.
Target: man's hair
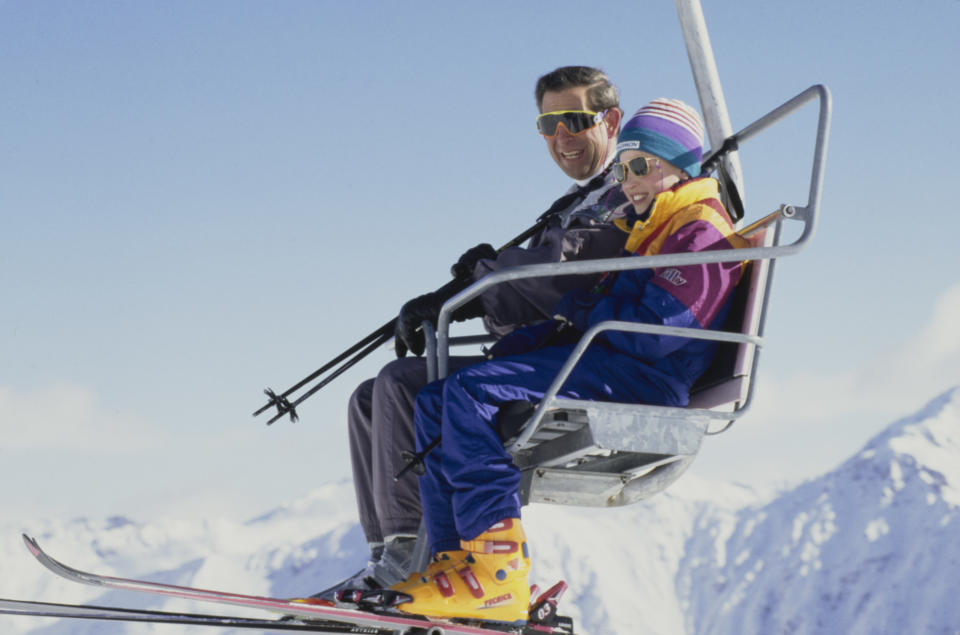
x=601, y=95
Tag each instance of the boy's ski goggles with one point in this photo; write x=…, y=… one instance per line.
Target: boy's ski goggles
x=574, y=121
x=640, y=166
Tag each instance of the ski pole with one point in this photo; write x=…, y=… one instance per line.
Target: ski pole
x=415, y=460
x=277, y=400
x=368, y=344
x=712, y=162
x=284, y=406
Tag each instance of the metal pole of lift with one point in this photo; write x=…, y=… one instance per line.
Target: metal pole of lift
x=707, y=80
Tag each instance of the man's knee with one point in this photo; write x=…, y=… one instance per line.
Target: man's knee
x=408, y=375
x=358, y=407
x=399, y=381
x=404, y=370
x=362, y=393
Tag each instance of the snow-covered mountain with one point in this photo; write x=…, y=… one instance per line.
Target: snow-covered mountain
x=871, y=547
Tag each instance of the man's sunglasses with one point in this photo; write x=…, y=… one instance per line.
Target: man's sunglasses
x=574, y=121
x=640, y=166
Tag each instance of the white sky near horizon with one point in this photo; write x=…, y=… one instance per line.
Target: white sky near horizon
x=200, y=201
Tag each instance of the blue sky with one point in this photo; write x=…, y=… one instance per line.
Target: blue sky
x=202, y=200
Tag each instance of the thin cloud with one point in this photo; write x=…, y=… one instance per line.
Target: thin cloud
x=67, y=417
x=891, y=383
x=925, y=363
x=805, y=423
x=938, y=344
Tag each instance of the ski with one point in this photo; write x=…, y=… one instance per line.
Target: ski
x=107, y=613
x=394, y=622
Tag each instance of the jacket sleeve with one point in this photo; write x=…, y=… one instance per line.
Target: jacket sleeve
x=511, y=304
x=689, y=296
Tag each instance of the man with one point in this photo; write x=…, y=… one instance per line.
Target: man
x=579, y=121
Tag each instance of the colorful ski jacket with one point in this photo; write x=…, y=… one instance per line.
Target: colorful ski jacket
x=687, y=218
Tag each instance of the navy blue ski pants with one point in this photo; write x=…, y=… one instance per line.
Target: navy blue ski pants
x=471, y=481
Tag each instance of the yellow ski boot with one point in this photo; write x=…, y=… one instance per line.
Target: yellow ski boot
x=486, y=581
x=440, y=562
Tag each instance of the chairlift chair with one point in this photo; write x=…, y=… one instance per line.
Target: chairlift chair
x=602, y=454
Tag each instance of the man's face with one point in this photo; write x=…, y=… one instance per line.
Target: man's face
x=582, y=155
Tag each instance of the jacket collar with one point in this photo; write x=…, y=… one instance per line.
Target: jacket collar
x=683, y=194
x=666, y=202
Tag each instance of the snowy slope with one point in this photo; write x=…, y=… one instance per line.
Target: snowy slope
x=870, y=547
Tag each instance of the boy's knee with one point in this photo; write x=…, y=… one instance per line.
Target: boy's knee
x=473, y=381
x=430, y=398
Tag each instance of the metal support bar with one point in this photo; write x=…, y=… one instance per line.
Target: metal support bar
x=430, y=349
x=707, y=80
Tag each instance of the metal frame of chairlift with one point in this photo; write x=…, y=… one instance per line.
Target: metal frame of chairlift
x=602, y=453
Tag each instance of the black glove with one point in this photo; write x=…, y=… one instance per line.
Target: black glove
x=463, y=268
x=407, y=333
x=426, y=308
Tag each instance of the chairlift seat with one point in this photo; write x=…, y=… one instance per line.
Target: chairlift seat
x=604, y=454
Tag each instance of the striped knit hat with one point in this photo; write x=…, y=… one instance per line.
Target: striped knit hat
x=669, y=129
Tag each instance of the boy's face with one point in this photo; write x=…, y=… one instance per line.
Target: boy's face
x=660, y=176
x=582, y=155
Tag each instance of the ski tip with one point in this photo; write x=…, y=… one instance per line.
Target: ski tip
x=31, y=544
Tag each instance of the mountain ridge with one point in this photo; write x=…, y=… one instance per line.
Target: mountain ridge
x=867, y=547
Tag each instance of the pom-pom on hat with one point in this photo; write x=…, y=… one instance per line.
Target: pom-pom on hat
x=666, y=128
